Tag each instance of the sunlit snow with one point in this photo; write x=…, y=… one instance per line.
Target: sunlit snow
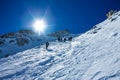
x=94, y=55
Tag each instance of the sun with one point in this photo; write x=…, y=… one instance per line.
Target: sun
x=39, y=26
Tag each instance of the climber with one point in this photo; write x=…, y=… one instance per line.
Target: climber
x=59, y=38
x=47, y=44
x=70, y=38
x=64, y=39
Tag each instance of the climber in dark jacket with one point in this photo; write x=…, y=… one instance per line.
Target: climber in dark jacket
x=70, y=38
x=47, y=44
x=64, y=39
x=58, y=38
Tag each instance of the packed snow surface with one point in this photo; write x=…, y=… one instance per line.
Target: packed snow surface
x=94, y=55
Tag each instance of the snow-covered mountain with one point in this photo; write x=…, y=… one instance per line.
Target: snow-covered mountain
x=14, y=42
x=94, y=55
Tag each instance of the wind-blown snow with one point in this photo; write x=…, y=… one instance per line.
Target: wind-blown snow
x=94, y=55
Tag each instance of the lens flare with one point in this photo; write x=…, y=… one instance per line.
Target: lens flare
x=39, y=26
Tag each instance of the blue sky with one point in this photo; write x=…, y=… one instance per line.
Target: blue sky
x=76, y=15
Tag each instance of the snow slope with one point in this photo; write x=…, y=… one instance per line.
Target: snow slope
x=94, y=55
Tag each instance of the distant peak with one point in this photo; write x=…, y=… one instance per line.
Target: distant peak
x=26, y=31
x=110, y=13
x=60, y=33
x=17, y=34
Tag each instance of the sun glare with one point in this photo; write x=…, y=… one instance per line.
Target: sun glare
x=39, y=26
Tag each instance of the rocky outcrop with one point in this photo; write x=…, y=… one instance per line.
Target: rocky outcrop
x=8, y=35
x=26, y=31
x=22, y=41
x=17, y=34
x=60, y=33
x=110, y=13
x=1, y=42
